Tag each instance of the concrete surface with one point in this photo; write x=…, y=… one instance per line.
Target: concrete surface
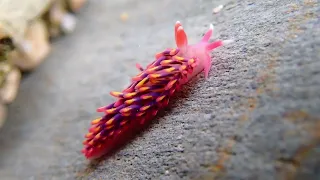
x=255, y=118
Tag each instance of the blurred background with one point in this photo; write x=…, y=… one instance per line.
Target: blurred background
x=256, y=117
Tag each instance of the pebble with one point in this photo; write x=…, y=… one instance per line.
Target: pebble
x=217, y=9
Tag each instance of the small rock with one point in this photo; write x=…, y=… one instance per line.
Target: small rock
x=68, y=23
x=76, y=5
x=207, y=116
x=180, y=148
x=124, y=16
x=217, y=9
x=33, y=49
x=11, y=86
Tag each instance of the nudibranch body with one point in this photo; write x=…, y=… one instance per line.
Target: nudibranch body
x=149, y=91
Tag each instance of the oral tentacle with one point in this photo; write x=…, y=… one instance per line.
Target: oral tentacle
x=214, y=45
x=217, y=44
x=208, y=34
x=228, y=41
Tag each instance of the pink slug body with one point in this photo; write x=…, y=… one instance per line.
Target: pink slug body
x=200, y=51
x=149, y=92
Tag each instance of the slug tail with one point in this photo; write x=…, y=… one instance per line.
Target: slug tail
x=114, y=142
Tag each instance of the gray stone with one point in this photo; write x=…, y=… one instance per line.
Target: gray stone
x=256, y=117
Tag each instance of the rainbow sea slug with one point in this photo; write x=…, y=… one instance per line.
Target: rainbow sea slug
x=150, y=90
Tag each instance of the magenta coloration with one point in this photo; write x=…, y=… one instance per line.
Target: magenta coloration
x=149, y=91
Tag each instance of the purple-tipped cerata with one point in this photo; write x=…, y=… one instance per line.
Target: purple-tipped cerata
x=149, y=91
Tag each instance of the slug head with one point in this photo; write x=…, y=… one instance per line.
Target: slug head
x=200, y=51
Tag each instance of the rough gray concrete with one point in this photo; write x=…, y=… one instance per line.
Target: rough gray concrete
x=255, y=118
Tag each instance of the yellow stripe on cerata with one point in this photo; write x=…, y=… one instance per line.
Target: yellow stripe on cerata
x=96, y=121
